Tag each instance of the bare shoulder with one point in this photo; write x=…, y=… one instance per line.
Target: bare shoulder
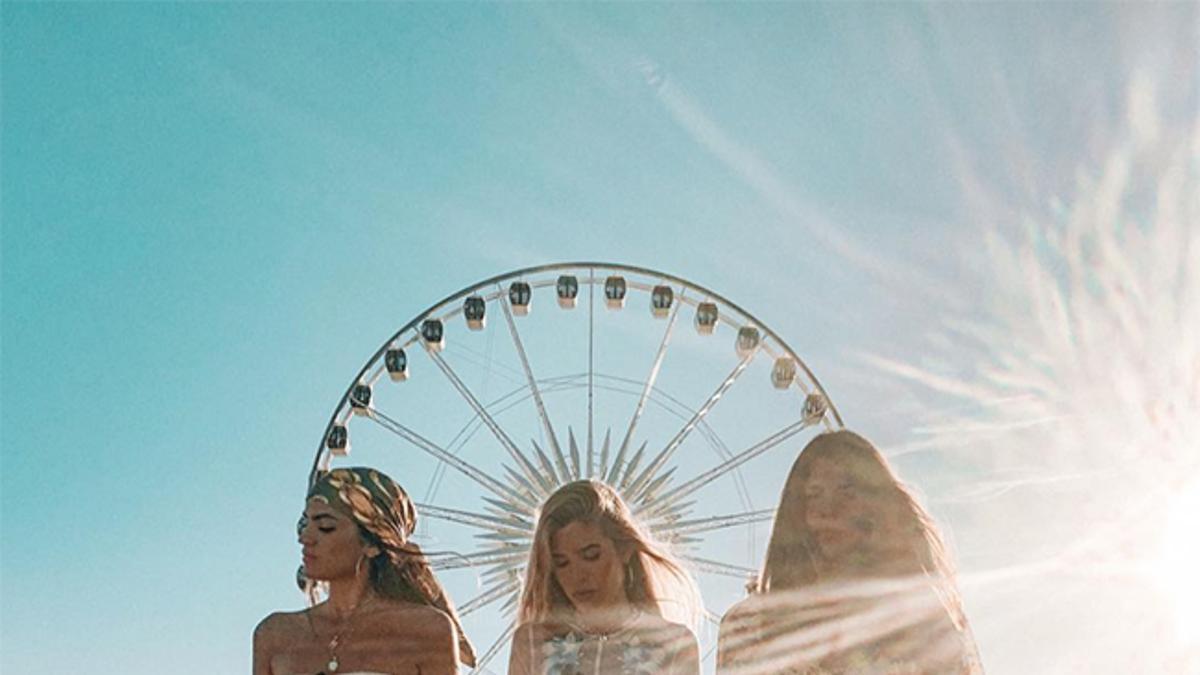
x=537, y=632
x=274, y=634
x=748, y=606
x=678, y=641
x=415, y=620
x=521, y=659
x=279, y=626
x=666, y=632
x=656, y=622
x=524, y=632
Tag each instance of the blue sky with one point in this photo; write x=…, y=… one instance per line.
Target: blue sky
x=213, y=213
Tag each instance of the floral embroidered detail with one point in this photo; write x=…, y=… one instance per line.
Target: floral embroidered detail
x=563, y=654
x=574, y=654
x=639, y=659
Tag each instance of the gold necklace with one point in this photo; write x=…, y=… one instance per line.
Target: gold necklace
x=338, y=639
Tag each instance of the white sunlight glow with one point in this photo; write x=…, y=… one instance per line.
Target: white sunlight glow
x=1072, y=388
x=1177, y=573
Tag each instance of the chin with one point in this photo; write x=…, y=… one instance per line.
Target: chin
x=320, y=575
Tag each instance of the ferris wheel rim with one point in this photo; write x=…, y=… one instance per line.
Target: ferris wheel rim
x=551, y=267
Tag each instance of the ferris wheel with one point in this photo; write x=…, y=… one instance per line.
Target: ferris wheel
x=485, y=403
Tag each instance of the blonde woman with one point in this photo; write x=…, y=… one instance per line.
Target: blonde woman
x=856, y=579
x=600, y=595
x=385, y=614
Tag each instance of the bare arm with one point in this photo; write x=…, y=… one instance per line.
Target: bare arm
x=439, y=644
x=520, y=659
x=687, y=657
x=733, y=637
x=265, y=644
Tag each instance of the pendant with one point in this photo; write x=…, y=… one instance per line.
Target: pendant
x=332, y=665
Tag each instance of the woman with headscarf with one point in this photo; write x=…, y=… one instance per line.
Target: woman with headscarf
x=384, y=611
x=600, y=595
x=856, y=579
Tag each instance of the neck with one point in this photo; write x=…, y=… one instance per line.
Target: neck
x=347, y=595
x=607, y=619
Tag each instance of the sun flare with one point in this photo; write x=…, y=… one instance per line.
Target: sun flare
x=1177, y=572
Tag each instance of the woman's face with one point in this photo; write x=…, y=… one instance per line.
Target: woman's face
x=330, y=543
x=588, y=566
x=838, y=510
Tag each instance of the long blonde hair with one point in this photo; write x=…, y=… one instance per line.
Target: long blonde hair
x=655, y=581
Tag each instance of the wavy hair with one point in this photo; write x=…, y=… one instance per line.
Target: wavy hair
x=655, y=580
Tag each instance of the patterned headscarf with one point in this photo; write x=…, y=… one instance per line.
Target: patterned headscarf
x=376, y=503
x=384, y=511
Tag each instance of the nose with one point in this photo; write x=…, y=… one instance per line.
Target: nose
x=821, y=505
x=572, y=577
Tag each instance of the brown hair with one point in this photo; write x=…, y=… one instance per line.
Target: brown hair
x=909, y=543
x=386, y=518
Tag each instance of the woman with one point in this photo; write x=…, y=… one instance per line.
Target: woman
x=600, y=595
x=385, y=612
x=856, y=579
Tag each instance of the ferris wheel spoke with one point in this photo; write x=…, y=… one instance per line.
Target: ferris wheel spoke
x=466, y=468
x=717, y=567
x=538, y=491
x=482, y=412
x=491, y=652
x=560, y=462
x=454, y=447
x=603, y=454
x=591, y=362
x=482, y=361
x=713, y=620
x=491, y=556
x=533, y=385
x=490, y=595
x=547, y=465
x=632, y=466
x=665, y=454
x=651, y=491
x=662, y=504
x=686, y=527
x=511, y=525
x=574, y=449
x=646, y=389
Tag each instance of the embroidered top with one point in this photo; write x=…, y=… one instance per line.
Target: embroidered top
x=648, y=646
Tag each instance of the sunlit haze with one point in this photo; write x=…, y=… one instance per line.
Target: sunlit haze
x=978, y=225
